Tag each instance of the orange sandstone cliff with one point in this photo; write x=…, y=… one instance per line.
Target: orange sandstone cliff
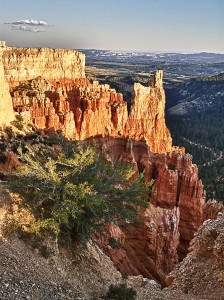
x=50, y=85
x=50, y=90
x=174, y=214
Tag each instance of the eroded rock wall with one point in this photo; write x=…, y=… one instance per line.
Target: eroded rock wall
x=23, y=64
x=175, y=211
x=146, y=120
x=82, y=110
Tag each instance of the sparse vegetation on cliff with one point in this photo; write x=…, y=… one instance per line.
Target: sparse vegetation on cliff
x=121, y=292
x=79, y=192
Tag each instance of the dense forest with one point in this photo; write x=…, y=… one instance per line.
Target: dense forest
x=202, y=134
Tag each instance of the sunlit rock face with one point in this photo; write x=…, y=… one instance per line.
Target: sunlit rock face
x=146, y=120
x=22, y=64
x=51, y=85
x=6, y=108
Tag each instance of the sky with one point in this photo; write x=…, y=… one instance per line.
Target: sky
x=134, y=25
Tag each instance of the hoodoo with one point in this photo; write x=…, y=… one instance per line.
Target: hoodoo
x=62, y=97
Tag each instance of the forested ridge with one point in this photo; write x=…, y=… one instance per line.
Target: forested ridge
x=201, y=130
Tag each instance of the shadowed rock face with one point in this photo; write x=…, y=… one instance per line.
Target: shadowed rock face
x=202, y=271
x=174, y=214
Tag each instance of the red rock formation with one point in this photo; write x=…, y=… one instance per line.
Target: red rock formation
x=98, y=110
x=175, y=212
x=150, y=249
x=211, y=209
x=146, y=120
x=10, y=163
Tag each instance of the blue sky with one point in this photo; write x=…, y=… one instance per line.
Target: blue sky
x=144, y=25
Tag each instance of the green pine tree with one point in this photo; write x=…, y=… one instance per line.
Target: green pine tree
x=79, y=192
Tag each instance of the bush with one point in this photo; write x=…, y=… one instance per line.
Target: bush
x=18, y=125
x=115, y=244
x=9, y=131
x=80, y=192
x=121, y=292
x=19, y=118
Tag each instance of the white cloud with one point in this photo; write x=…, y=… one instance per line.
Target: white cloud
x=25, y=28
x=29, y=22
x=28, y=25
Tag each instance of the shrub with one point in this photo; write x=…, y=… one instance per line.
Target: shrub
x=18, y=125
x=115, y=244
x=121, y=292
x=19, y=118
x=9, y=131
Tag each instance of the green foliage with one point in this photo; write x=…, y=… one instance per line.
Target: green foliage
x=50, y=226
x=121, y=292
x=115, y=243
x=202, y=135
x=79, y=192
x=219, y=77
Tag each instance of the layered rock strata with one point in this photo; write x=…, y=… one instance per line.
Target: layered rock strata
x=23, y=64
x=6, y=108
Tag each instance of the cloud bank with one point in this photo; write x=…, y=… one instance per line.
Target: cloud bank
x=28, y=25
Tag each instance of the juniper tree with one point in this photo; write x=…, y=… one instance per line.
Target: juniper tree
x=79, y=192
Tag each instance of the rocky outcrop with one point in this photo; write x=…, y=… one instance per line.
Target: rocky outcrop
x=202, y=271
x=6, y=108
x=150, y=249
x=211, y=209
x=22, y=64
x=174, y=214
x=146, y=120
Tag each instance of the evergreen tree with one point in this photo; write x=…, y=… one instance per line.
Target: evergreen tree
x=79, y=192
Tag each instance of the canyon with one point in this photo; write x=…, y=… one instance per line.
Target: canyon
x=49, y=89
